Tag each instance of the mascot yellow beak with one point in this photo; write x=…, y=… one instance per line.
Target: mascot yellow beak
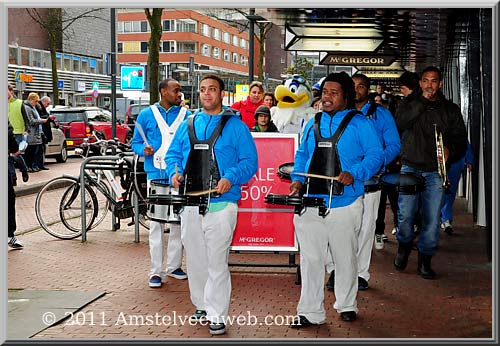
x=287, y=99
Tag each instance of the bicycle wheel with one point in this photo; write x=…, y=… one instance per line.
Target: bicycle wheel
x=63, y=193
x=104, y=205
x=143, y=211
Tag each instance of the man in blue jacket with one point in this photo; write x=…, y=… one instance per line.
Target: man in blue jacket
x=352, y=155
x=213, y=150
x=158, y=124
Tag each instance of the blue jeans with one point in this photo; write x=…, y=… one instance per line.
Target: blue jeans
x=431, y=200
x=454, y=174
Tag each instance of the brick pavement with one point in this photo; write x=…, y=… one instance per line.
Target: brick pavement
x=397, y=305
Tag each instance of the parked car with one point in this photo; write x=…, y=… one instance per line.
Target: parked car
x=132, y=112
x=57, y=147
x=78, y=123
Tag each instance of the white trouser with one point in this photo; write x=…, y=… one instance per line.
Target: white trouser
x=336, y=234
x=207, y=240
x=367, y=233
x=156, y=247
x=366, y=236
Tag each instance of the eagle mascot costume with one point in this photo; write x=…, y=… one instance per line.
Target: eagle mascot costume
x=294, y=109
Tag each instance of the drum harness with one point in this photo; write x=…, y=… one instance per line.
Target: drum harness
x=326, y=151
x=202, y=157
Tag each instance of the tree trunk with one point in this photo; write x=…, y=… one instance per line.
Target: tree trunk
x=153, y=68
x=262, y=42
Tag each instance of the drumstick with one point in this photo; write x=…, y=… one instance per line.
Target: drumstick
x=141, y=132
x=200, y=193
x=312, y=175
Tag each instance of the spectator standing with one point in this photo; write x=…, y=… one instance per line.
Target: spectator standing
x=41, y=107
x=17, y=115
x=263, y=121
x=253, y=101
x=159, y=123
x=454, y=174
x=34, y=152
x=12, y=240
x=228, y=160
x=353, y=154
x=419, y=116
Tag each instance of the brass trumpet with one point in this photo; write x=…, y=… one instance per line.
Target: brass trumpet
x=440, y=158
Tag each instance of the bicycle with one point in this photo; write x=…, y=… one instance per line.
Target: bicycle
x=65, y=222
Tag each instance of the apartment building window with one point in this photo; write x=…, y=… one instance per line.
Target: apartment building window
x=36, y=58
x=225, y=37
x=46, y=60
x=283, y=60
x=144, y=47
x=226, y=55
x=13, y=58
x=119, y=47
x=216, y=34
x=127, y=26
x=186, y=47
x=85, y=65
x=93, y=65
x=235, y=40
x=136, y=26
x=243, y=60
x=76, y=63
x=119, y=27
x=144, y=26
x=25, y=57
x=205, y=50
x=205, y=30
x=243, y=43
x=235, y=58
x=169, y=25
x=185, y=26
x=167, y=47
x=216, y=52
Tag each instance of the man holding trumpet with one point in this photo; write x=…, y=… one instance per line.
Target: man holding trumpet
x=426, y=119
x=339, y=150
x=212, y=151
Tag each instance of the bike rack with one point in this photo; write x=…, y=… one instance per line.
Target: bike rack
x=109, y=165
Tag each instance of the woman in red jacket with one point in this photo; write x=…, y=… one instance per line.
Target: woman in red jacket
x=247, y=107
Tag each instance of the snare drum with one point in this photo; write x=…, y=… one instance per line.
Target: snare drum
x=372, y=185
x=299, y=202
x=162, y=212
x=285, y=170
x=406, y=183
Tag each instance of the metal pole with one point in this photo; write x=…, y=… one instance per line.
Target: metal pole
x=113, y=72
x=251, y=47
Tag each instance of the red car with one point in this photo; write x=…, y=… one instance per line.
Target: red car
x=78, y=123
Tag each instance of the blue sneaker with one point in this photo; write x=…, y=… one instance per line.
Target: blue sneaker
x=178, y=274
x=155, y=281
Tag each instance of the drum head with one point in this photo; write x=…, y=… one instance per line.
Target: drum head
x=140, y=178
x=285, y=170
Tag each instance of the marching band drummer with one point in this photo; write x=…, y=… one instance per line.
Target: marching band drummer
x=214, y=150
x=158, y=124
x=353, y=154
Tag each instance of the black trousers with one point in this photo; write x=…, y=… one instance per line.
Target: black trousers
x=392, y=193
x=12, y=208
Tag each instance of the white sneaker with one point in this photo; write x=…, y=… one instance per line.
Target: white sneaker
x=379, y=242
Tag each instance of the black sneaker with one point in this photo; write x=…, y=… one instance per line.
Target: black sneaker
x=300, y=322
x=217, y=328
x=362, y=284
x=199, y=315
x=15, y=244
x=25, y=175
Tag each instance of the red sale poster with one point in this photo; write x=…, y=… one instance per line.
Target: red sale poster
x=262, y=226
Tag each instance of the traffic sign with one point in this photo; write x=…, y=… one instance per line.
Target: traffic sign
x=132, y=77
x=60, y=84
x=95, y=85
x=95, y=93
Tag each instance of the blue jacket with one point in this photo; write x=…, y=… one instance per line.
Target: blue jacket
x=387, y=132
x=234, y=149
x=153, y=134
x=359, y=149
